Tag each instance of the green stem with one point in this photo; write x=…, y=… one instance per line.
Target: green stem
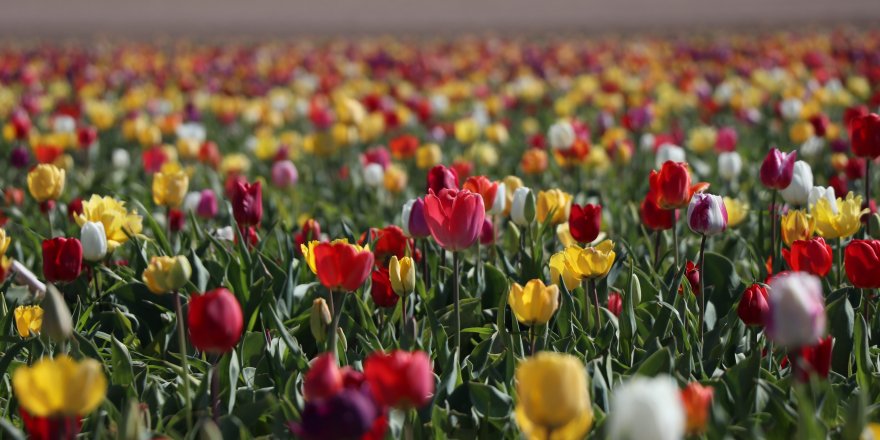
x=334, y=324
x=702, y=289
x=455, y=299
x=675, y=237
x=868, y=194
x=596, y=301
x=181, y=341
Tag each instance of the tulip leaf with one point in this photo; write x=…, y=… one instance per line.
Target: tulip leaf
x=658, y=362
x=496, y=286
x=488, y=401
x=121, y=372
x=9, y=430
x=158, y=232
x=860, y=346
x=841, y=319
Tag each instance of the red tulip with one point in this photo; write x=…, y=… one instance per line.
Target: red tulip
x=341, y=266
x=86, y=136
x=654, y=217
x=247, y=203
x=487, y=233
x=215, y=321
x=864, y=133
x=484, y=187
x=777, y=169
x=813, y=256
x=400, y=379
x=672, y=185
x=153, y=158
x=51, y=428
x=853, y=113
x=441, y=177
x=311, y=230
x=62, y=259
x=455, y=218
x=381, y=291
x=815, y=359
x=176, y=220
x=584, y=222
x=692, y=275
x=404, y=146
x=74, y=208
x=861, y=259
x=387, y=242
x=753, y=305
x=697, y=399
x=463, y=168
x=855, y=168
x=324, y=378
x=615, y=303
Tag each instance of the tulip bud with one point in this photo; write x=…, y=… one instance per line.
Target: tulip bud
x=707, y=214
x=324, y=378
x=753, y=306
x=729, y=165
x=777, y=169
x=796, y=315
x=57, y=322
x=319, y=320
x=215, y=321
x=523, y=210
x=94, y=241
x=284, y=174
x=875, y=225
x=413, y=219
x=497, y=205
x=167, y=274
x=635, y=289
x=697, y=399
x=403, y=275
x=798, y=191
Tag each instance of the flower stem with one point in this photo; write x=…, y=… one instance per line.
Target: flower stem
x=426, y=276
x=868, y=194
x=596, y=301
x=181, y=341
x=334, y=324
x=585, y=311
x=455, y=304
x=658, y=235
x=702, y=289
x=774, y=225
x=215, y=389
x=675, y=237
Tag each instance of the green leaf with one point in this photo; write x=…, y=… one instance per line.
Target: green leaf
x=121, y=372
x=659, y=362
x=863, y=372
x=489, y=401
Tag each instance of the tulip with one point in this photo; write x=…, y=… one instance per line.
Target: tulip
x=19, y=157
x=841, y=219
x=729, y=165
x=798, y=191
x=562, y=268
x=672, y=185
x=553, y=397
x=413, y=219
x=120, y=159
x=692, y=276
x=62, y=259
x=324, y=378
x=486, y=188
x=696, y=400
x=753, y=306
x=28, y=320
x=403, y=275
x=707, y=214
x=247, y=203
x=817, y=193
x=374, y=175
x=487, y=233
x=777, y=169
x=45, y=182
x=654, y=217
x=319, y=320
x=864, y=133
x=348, y=414
x=646, y=408
x=4, y=241
x=284, y=174
x=797, y=225
x=561, y=135
x=563, y=234
x=440, y=178
x=60, y=387
x=118, y=223
x=797, y=310
x=380, y=289
x=454, y=218
x=395, y=179
x=207, y=206
x=668, y=152
x=815, y=359
x=522, y=210
x=861, y=259
x=215, y=321
x=534, y=161
x=615, y=303
x=94, y=241
x=400, y=379
x=592, y=262
x=310, y=230
x=428, y=156
x=813, y=256
x=167, y=274
x=534, y=304
x=57, y=321
x=387, y=242
x=169, y=188
x=341, y=266
x=736, y=211
x=553, y=205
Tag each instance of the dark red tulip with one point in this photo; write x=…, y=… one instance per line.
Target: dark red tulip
x=380, y=290
x=864, y=134
x=813, y=256
x=615, y=303
x=50, y=428
x=324, y=378
x=441, y=177
x=400, y=379
x=753, y=305
x=861, y=259
x=777, y=169
x=247, y=203
x=853, y=113
x=654, y=217
x=855, y=168
x=487, y=233
x=74, y=208
x=584, y=222
x=215, y=321
x=86, y=136
x=692, y=275
x=840, y=185
x=815, y=360
x=62, y=259
x=341, y=266
x=387, y=242
x=176, y=220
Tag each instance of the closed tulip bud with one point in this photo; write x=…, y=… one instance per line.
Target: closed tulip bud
x=413, y=219
x=319, y=319
x=813, y=256
x=57, y=321
x=499, y=202
x=874, y=220
x=324, y=378
x=169, y=188
x=455, y=218
x=615, y=303
x=553, y=397
x=207, y=206
x=400, y=379
x=441, y=177
x=753, y=306
x=635, y=289
x=561, y=135
x=669, y=152
x=797, y=310
x=862, y=262
x=797, y=225
x=403, y=275
x=522, y=210
x=864, y=133
x=215, y=321
x=535, y=303
x=94, y=241
x=777, y=169
x=646, y=408
x=247, y=202
x=815, y=359
x=585, y=222
x=798, y=191
x=487, y=233
x=554, y=205
x=167, y=274
x=697, y=400
x=46, y=182
x=729, y=165
x=707, y=214
x=62, y=259
x=28, y=320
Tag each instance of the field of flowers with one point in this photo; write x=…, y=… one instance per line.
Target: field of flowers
x=478, y=237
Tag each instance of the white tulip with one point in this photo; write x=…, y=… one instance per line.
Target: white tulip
x=561, y=135
x=374, y=174
x=121, y=159
x=522, y=208
x=791, y=108
x=645, y=408
x=818, y=193
x=668, y=152
x=94, y=241
x=191, y=201
x=797, y=310
x=798, y=192
x=64, y=124
x=500, y=200
x=729, y=165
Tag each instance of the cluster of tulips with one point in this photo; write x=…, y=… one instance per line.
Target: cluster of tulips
x=568, y=238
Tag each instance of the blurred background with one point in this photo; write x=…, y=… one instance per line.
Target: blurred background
x=260, y=17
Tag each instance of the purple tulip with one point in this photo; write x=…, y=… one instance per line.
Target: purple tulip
x=284, y=174
x=348, y=414
x=706, y=214
x=797, y=310
x=413, y=219
x=778, y=169
x=487, y=233
x=19, y=157
x=207, y=207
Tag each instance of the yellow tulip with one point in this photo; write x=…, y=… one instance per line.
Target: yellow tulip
x=702, y=139
x=553, y=397
x=871, y=432
x=428, y=155
x=797, y=225
x=841, y=220
x=60, y=386
x=554, y=201
x=5, y=240
x=466, y=130
x=28, y=320
x=591, y=262
x=563, y=233
x=801, y=131
x=497, y=133
x=736, y=211
x=402, y=274
x=534, y=304
x=170, y=188
x=561, y=268
x=167, y=274
x=395, y=179
x=118, y=223
x=45, y=182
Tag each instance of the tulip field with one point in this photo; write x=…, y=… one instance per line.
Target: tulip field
x=551, y=238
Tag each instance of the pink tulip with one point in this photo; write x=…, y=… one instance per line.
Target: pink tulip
x=778, y=169
x=454, y=217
